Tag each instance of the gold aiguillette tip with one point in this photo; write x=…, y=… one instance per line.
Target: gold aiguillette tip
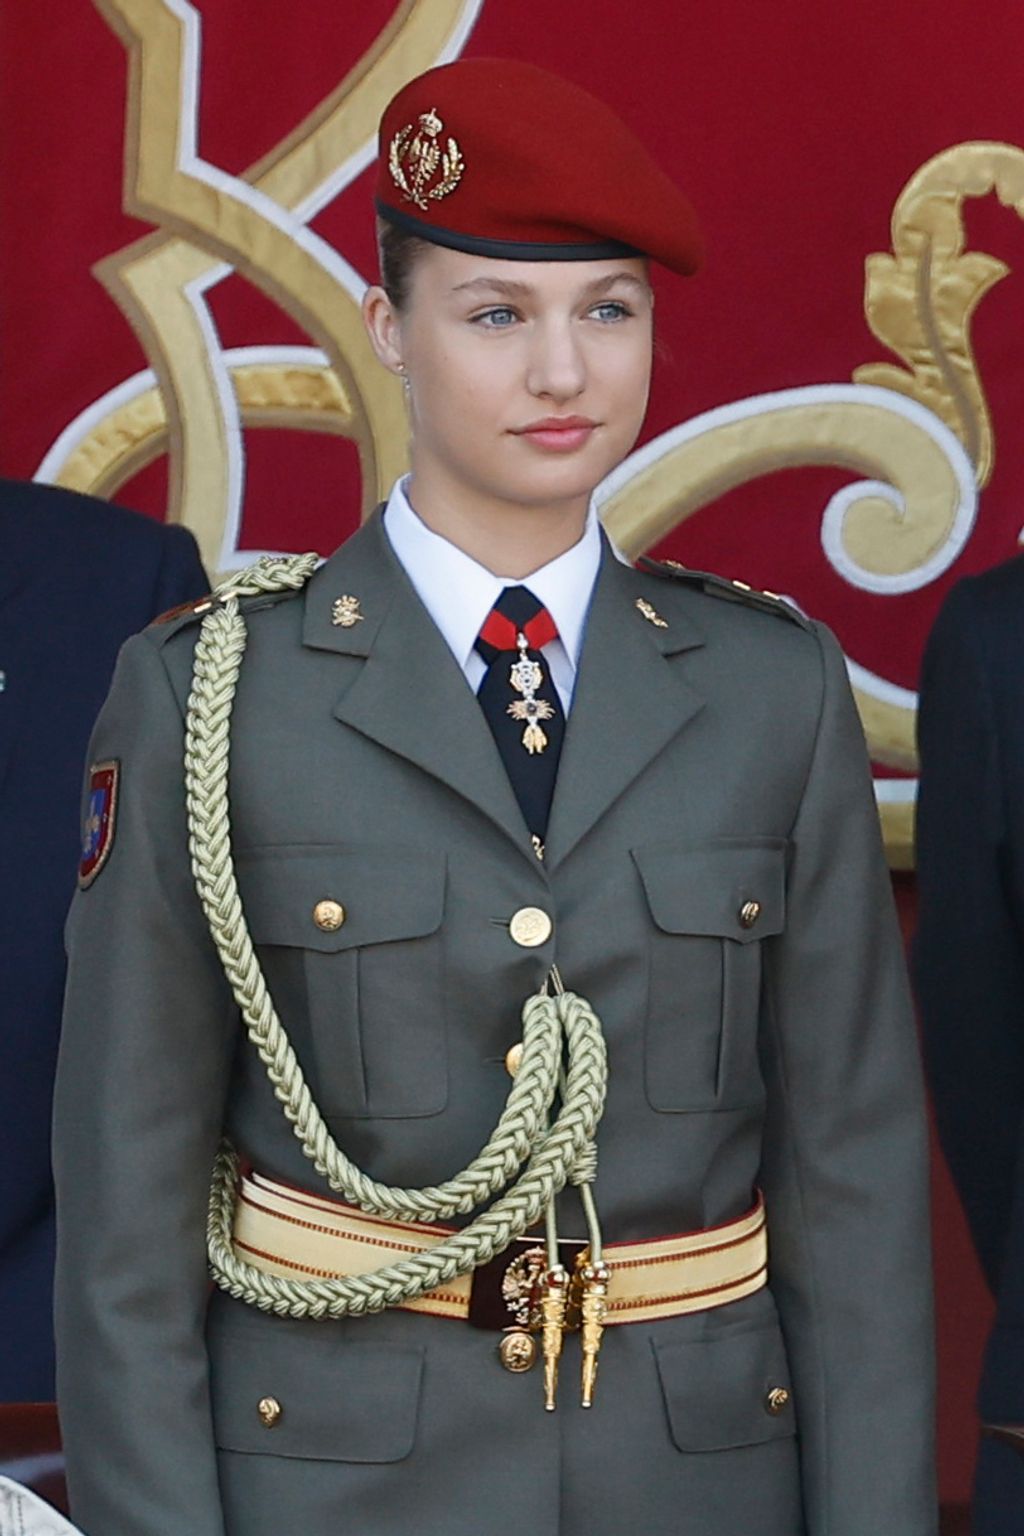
x=593, y=1305
x=556, y=1291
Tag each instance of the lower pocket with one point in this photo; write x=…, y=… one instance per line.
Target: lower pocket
x=295, y=1390
x=727, y=1392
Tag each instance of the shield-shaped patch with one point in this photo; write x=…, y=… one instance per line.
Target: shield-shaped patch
x=100, y=818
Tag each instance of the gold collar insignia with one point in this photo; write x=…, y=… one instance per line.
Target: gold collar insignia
x=346, y=613
x=651, y=614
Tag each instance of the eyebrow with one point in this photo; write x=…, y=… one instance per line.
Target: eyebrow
x=509, y=288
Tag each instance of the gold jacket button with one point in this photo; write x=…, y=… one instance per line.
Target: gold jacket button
x=514, y=1058
x=518, y=1351
x=749, y=913
x=329, y=915
x=777, y=1401
x=269, y=1410
x=530, y=927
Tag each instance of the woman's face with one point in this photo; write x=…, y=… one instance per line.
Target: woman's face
x=528, y=381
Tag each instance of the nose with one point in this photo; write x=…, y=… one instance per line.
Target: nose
x=556, y=365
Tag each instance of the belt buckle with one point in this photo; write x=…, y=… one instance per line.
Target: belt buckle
x=506, y=1292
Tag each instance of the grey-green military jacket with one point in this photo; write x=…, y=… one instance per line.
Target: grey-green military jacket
x=712, y=759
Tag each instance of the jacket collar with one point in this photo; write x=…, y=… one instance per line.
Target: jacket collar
x=411, y=696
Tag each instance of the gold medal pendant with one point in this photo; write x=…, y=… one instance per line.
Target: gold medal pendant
x=526, y=677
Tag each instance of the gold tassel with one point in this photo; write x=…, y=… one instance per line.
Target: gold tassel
x=593, y=1306
x=556, y=1291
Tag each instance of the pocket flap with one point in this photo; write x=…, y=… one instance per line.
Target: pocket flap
x=733, y=890
x=723, y=1392
x=378, y=894
x=282, y=1391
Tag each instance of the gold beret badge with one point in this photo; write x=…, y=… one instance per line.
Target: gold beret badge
x=413, y=164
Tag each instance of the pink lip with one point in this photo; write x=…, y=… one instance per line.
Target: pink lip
x=559, y=434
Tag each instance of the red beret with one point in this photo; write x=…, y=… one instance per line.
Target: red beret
x=500, y=158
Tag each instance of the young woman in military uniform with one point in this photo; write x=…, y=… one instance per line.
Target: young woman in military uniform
x=495, y=802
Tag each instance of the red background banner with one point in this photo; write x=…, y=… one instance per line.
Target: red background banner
x=792, y=126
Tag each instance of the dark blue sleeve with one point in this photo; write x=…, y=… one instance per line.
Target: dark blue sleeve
x=180, y=576
x=968, y=956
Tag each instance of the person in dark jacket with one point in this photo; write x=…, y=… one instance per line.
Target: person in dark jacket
x=77, y=577
x=969, y=971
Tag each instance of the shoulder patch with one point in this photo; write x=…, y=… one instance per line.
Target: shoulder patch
x=730, y=591
x=100, y=820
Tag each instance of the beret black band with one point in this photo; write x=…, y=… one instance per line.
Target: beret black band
x=510, y=250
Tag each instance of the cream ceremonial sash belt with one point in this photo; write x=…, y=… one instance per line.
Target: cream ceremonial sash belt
x=289, y=1232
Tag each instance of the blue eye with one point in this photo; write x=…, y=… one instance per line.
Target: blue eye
x=611, y=310
x=497, y=319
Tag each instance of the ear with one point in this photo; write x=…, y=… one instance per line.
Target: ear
x=383, y=328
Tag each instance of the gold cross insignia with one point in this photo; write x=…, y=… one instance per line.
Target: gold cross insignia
x=345, y=612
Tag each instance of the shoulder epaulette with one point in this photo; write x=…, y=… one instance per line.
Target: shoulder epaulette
x=731, y=591
x=193, y=612
x=256, y=587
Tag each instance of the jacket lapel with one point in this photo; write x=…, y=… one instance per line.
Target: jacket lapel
x=411, y=695
x=630, y=700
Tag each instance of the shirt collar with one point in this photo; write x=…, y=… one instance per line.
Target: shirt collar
x=459, y=593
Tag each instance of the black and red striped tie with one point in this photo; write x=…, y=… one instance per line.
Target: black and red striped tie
x=516, y=715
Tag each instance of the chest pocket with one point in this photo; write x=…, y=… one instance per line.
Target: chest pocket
x=350, y=940
x=711, y=906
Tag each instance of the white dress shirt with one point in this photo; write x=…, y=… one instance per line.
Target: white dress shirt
x=459, y=593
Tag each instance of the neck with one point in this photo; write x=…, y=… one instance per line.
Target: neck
x=505, y=538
